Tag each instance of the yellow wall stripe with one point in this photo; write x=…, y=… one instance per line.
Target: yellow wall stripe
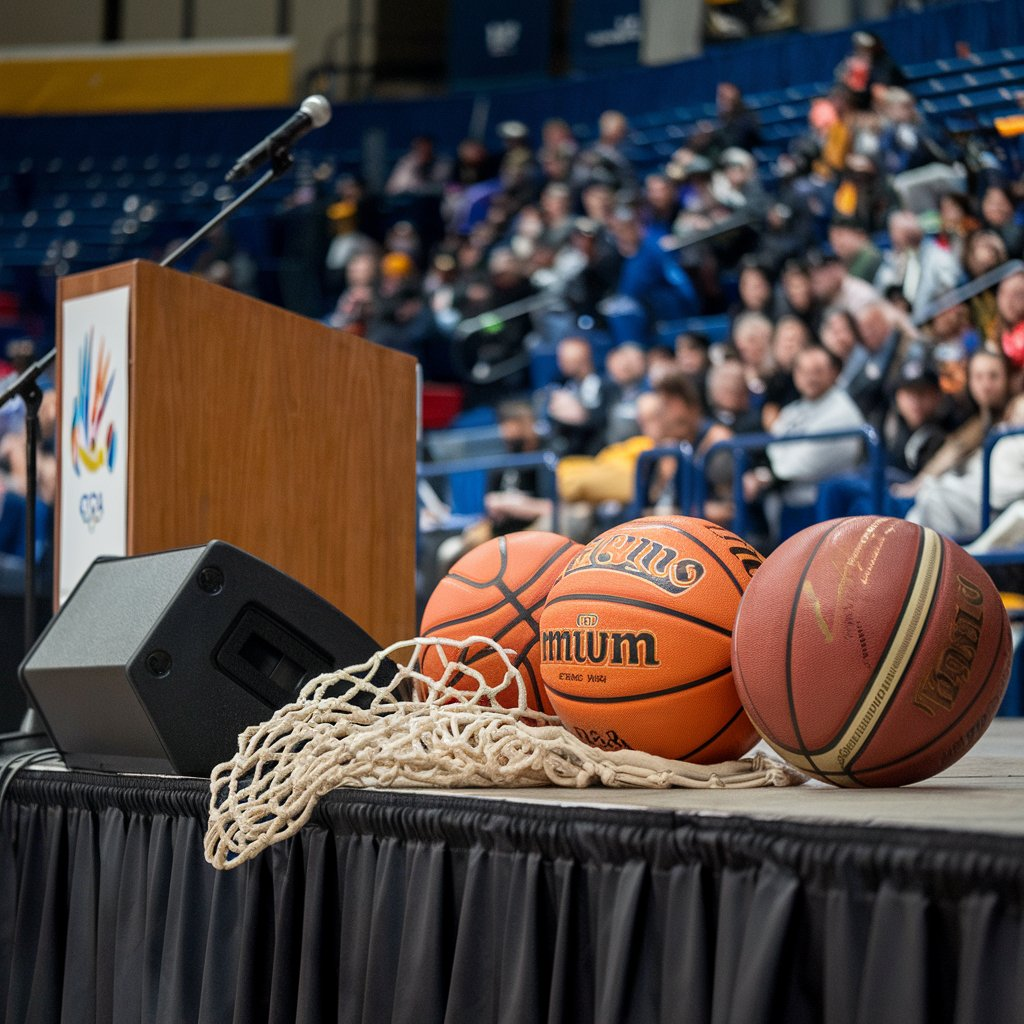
x=137, y=79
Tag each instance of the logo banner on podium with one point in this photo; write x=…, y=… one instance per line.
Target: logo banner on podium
x=93, y=515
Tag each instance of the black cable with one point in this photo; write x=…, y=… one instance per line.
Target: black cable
x=10, y=768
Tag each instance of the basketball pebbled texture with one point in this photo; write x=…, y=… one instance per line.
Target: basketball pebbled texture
x=636, y=640
x=870, y=651
x=497, y=590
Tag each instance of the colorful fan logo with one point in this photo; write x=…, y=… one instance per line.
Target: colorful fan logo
x=93, y=442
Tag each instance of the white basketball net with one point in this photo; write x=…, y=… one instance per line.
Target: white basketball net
x=453, y=738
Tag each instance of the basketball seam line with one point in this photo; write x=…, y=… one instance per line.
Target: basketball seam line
x=646, y=605
x=721, y=732
x=483, y=584
x=789, y=642
x=523, y=613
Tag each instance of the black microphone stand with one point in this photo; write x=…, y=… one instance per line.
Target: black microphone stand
x=280, y=161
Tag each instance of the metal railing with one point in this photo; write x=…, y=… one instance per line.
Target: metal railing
x=546, y=461
x=991, y=440
x=741, y=445
x=644, y=477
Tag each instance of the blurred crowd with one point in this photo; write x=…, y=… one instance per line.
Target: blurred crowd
x=866, y=277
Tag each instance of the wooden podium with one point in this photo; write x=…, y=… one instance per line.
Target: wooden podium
x=253, y=425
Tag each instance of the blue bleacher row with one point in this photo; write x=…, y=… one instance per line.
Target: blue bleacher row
x=65, y=215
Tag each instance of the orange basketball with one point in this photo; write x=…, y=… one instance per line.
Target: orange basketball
x=871, y=651
x=497, y=590
x=636, y=637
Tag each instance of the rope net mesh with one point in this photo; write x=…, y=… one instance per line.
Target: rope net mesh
x=450, y=736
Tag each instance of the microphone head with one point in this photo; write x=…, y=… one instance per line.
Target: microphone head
x=317, y=109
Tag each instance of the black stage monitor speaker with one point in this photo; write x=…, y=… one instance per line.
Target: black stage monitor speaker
x=156, y=663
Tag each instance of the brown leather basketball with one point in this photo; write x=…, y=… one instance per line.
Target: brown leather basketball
x=871, y=652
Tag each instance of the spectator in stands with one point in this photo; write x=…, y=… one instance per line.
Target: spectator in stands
x=609, y=476
x=840, y=334
x=556, y=215
x=513, y=500
x=752, y=339
x=831, y=123
x=556, y=136
x=786, y=236
x=518, y=171
x=951, y=502
x=684, y=419
x=494, y=354
x=1010, y=306
x=587, y=270
x=789, y=338
x=474, y=181
x=793, y=294
x=661, y=363
x=888, y=342
x=953, y=338
x=756, y=294
x=956, y=221
x=661, y=203
x=420, y=171
x=736, y=125
x=736, y=184
x=355, y=305
x=729, y=398
x=652, y=284
x=916, y=426
x=700, y=207
x=403, y=236
x=577, y=408
x=921, y=269
x=346, y=241
x=984, y=251
x=598, y=201
x=626, y=369
x=919, y=162
x=692, y=358
x=12, y=522
x=988, y=383
x=853, y=245
x=605, y=162
x=919, y=420
x=868, y=65
x=998, y=213
x=863, y=194
x=831, y=285
x=794, y=470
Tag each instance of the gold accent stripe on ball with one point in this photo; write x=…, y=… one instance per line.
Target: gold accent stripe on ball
x=885, y=681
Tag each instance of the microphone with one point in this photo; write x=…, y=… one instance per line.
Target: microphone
x=314, y=112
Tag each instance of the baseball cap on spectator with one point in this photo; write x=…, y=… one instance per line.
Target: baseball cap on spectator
x=736, y=157
x=586, y=226
x=513, y=130
x=696, y=166
x=917, y=373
